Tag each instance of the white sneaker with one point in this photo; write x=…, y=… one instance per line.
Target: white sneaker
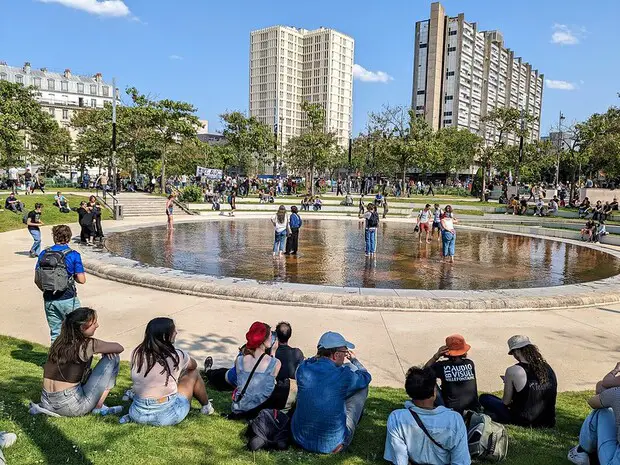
x=7, y=439
x=578, y=458
x=207, y=409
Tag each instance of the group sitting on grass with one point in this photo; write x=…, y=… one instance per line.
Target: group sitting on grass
x=324, y=396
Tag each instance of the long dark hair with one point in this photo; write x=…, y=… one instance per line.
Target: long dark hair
x=281, y=215
x=532, y=356
x=71, y=341
x=156, y=347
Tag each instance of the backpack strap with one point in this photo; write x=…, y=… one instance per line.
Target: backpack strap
x=417, y=419
x=247, y=383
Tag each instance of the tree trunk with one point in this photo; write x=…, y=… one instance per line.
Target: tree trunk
x=162, y=183
x=403, y=183
x=484, y=182
x=312, y=179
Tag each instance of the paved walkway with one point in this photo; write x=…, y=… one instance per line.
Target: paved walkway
x=581, y=344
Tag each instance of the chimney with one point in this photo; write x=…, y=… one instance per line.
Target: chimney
x=67, y=73
x=44, y=70
x=98, y=77
x=27, y=67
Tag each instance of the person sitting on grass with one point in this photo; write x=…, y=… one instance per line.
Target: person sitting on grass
x=60, y=201
x=12, y=204
x=165, y=379
x=599, y=434
x=330, y=397
x=584, y=208
x=318, y=204
x=553, y=207
x=6, y=440
x=70, y=388
x=305, y=204
x=587, y=231
x=522, y=206
x=290, y=357
x=540, y=207
x=597, y=211
x=459, y=390
x=600, y=232
x=422, y=433
x=530, y=389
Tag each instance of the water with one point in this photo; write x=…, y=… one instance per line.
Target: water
x=331, y=252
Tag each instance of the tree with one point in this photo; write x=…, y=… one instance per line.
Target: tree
x=312, y=150
x=20, y=116
x=404, y=139
x=457, y=148
x=247, y=137
x=51, y=145
x=600, y=136
x=171, y=120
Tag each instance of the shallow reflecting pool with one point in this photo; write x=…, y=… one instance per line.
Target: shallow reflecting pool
x=331, y=252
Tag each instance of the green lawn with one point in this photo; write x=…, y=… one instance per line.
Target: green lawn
x=51, y=214
x=201, y=440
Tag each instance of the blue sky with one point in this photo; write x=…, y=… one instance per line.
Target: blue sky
x=197, y=50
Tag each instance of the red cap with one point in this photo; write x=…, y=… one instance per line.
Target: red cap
x=457, y=345
x=256, y=335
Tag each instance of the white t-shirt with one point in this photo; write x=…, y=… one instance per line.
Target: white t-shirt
x=153, y=386
x=280, y=226
x=13, y=174
x=425, y=216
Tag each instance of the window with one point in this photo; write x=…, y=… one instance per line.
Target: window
x=450, y=73
x=80, y=88
x=37, y=82
x=2, y=76
x=447, y=121
x=420, y=107
x=453, y=33
x=65, y=114
x=447, y=113
x=423, y=45
x=51, y=110
x=19, y=79
x=106, y=91
x=451, y=49
x=93, y=102
x=420, y=92
x=93, y=89
x=51, y=85
x=64, y=86
x=449, y=97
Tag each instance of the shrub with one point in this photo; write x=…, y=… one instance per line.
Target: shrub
x=191, y=194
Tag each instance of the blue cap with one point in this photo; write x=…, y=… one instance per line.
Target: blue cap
x=332, y=340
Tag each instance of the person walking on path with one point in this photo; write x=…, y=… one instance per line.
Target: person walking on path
x=371, y=218
x=232, y=201
x=430, y=189
x=170, y=211
x=448, y=234
x=292, y=241
x=33, y=222
x=361, y=206
x=58, y=269
x=281, y=230
x=385, y=206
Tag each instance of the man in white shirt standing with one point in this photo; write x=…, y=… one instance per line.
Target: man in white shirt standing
x=423, y=433
x=13, y=177
x=424, y=223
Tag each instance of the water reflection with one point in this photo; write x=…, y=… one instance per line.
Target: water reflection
x=331, y=252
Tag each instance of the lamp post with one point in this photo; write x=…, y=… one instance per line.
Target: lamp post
x=520, y=150
x=114, y=187
x=560, y=140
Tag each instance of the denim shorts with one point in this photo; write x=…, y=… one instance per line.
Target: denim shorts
x=166, y=411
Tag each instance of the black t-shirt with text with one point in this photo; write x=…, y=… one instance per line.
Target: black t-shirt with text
x=458, y=383
x=34, y=217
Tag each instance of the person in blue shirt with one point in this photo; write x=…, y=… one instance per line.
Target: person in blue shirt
x=406, y=442
x=59, y=304
x=292, y=241
x=330, y=396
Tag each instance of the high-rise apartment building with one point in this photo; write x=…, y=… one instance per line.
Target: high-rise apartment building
x=461, y=74
x=290, y=65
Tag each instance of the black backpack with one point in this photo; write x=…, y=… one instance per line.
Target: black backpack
x=270, y=430
x=52, y=274
x=373, y=221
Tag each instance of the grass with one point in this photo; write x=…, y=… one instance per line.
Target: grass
x=201, y=440
x=51, y=214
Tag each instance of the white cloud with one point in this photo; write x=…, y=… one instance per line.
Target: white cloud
x=560, y=85
x=175, y=57
x=564, y=35
x=113, y=8
x=361, y=73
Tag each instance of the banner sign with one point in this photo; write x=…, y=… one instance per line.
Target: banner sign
x=208, y=173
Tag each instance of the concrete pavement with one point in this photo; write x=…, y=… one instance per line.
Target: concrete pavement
x=581, y=344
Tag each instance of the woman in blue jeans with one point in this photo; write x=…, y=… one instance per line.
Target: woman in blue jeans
x=165, y=379
x=371, y=219
x=599, y=432
x=281, y=230
x=70, y=388
x=448, y=234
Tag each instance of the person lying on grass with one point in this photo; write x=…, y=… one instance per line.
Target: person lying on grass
x=70, y=388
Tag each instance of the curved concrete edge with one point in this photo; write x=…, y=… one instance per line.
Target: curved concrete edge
x=107, y=266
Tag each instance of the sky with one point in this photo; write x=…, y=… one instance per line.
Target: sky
x=197, y=50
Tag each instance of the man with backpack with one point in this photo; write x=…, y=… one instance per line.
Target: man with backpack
x=422, y=433
x=33, y=221
x=58, y=269
x=292, y=241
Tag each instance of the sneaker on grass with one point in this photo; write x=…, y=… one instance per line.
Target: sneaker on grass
x=578, y=458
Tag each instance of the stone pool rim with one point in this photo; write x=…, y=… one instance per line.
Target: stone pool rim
x=108, y=266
